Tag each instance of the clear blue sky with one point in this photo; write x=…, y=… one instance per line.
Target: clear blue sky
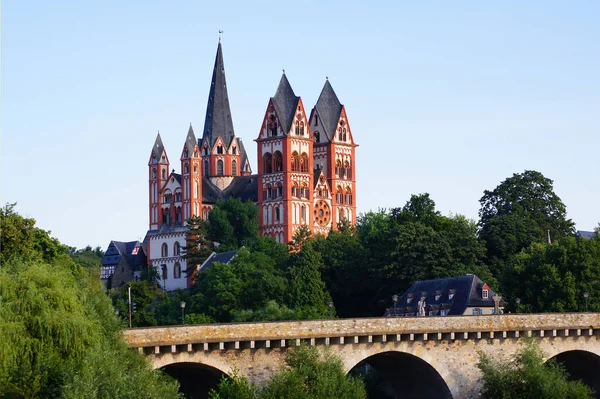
x=443, y=97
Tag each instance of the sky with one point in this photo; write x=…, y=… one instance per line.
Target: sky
x=448, y=98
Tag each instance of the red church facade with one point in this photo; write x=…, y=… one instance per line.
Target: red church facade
x=306, y=170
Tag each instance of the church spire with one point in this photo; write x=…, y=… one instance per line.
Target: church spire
x=329, y=109
x=218, y=121
x=285, y=102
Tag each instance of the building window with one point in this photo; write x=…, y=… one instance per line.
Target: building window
x=267, y=192
x=234, y=150
x=484, y=294
x=347, y=170
x=317, y=137
x=234, y=167
x=277, y=214
x=304, y=163
x=278, y=158
x=186, y=168
x=272, y=125
x=338, y=167
x=348, y=196
x=206, y=170
x=177, y=271
x=477, y=312
x=164, y=173
x=442, y=312
x=165, y=272
x=220, y=149
x=303, y=214
x=220, y=167
x=297, y=127
x=339, y=195
x=176, y=249
x=164, y=250
x=267, y=163
x=178, y=196
x=295, y=162
x=302, y=128
x=304, y=193
x=316, y=120
x=294, y=189
x=278, y=190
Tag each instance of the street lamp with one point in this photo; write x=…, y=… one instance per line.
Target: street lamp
x=395, y=299
x=518, y=301
x=586, y=295
x=182, y=312
x=330, y=304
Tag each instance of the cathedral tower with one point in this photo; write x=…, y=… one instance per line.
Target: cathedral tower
x=223, y=155
x=285, y=166
x=191, y=177
x=158, y=172
x=334, y=155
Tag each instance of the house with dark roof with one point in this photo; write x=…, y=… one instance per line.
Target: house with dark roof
x=585, y=234
x=306, y=172
x=123, y=262
x=223, y=257
x=453, y=296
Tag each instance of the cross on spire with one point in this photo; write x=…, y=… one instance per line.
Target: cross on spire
x=220, y=33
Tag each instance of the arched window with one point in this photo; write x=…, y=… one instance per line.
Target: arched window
x=297, y=127
x=220, y=167
x=186, y=168
x=165, y=272
x=206, y=169
x=295, y=162
x=267, y=191
x=234, y=167
x=267, y=163
x=178, y=214
x=316, y=120
x=339, y=195
x=348, y=199
x=178, y=195
x=344, y=137
x=347, y=170
x=168, y=197
x=272, y=126
x=278, y=190
x=303, y=214
x=164, y=250
x=278, y=158
x=302, y=128
x=164, y=173
x=219, y=149
x=304, y=191
x=341, y=215
x=176, y=249
x=154, y=173
x=317, y=137
x=177, y=271
x=338, y=167
x=277, y=214
x=340, y=135
x=294, y=189
x=304, y=163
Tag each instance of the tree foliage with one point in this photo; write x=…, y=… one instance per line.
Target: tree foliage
x=308, y=374
x=522, y=210
x=526, y=376
x=60, y=336
x=233, y=224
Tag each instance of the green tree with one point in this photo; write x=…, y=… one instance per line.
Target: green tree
x=233, y=223
x=198, y=246
x=553, y=277
x=308, y=293
x=272, y=311
x=308, y=374
x=144, y=294
x=87, y=257
x=527, y=376
x=60, y=336
x=522, y=210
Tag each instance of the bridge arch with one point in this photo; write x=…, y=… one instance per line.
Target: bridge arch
x=581, y=365
x=392, y=373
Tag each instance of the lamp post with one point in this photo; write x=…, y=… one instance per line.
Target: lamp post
x=330, y=304
x=182, y=312
x=586, y=295
x=395, y=299
x=518, y=301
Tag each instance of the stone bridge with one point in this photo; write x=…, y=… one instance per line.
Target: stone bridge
x=427, y=357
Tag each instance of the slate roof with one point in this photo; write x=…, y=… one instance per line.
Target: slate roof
x=243, y=187
x=586, y=234
x=190, y=142
x=285, y=103
x=157, y=149
x=177, y=177
x=224, y=257
x=218, y=122
x=118, y=251
x=243, y=154
x=466, y=289
x=329, y=109
x=210, y=192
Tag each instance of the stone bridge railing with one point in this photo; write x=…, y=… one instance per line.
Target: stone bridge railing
x=210, y=337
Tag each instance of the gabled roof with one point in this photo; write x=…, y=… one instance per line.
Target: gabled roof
x=177, y=177
x=243, y=154
x=118, y=251
x=224, y=257
x=157, y=150
x=328, y=108
x=218, y=122
x=243, y=187
x=190, y=143
x=285, y=103
x=466, y=293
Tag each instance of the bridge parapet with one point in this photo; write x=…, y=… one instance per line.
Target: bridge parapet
x=235, y=336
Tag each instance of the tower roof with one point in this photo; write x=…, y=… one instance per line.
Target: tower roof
x=157, y=149
x=285, y=102
x=218, y=121
x=329, y=109
x=190, y=141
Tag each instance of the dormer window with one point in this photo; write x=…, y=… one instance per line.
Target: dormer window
x=220, y=149
x=409, y=298
x=234, y=150
x=484, y=294
x=450, y=294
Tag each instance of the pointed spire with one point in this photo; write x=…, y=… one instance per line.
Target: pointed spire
x=190, y=143
x=218, y=122
x=157, y=149
x=329, y=109
x=285, y=102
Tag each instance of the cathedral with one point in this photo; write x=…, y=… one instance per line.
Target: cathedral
x=306, y=172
